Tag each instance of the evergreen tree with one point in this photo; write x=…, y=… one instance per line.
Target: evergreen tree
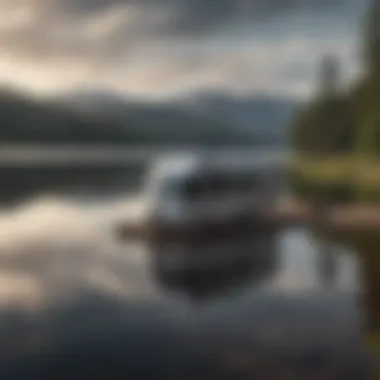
x=372, y=38
x=366, y=95
x=329, y=77
x=326, y=125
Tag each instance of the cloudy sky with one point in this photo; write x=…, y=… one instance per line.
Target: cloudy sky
x=166, y=47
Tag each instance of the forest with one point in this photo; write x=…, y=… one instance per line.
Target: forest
x=337, y=134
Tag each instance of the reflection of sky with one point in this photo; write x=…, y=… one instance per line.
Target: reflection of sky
x=137, y=50
x=66, y=282
x=51, y=239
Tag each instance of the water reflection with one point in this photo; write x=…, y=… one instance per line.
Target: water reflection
x=85, y=182
x=218, y=268
x=77, y=303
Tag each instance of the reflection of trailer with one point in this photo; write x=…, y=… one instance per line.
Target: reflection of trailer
x=199, y=208
x=211, y=268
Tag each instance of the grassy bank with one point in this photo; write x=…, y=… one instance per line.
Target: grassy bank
x=340, y=179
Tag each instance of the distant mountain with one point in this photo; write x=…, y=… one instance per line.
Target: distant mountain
x=253, y=115
x=167, y=123
x=96, y=118
x=250, y=119
x=24, y=120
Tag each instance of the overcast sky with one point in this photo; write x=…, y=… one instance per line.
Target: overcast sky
x=167, y=47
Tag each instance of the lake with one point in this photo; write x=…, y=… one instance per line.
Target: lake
x=75, y=302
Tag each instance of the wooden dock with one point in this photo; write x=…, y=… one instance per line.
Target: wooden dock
x=337, y=218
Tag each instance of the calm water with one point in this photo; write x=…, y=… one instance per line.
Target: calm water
x=76, y=303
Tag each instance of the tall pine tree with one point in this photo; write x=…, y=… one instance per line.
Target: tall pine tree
x=366, y=96
x=326, y=125
x=372, y=38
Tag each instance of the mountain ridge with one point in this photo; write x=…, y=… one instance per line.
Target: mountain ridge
x=245, y=114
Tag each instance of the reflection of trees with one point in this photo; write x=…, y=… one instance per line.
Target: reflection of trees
x=25, y=182
x=367, y=245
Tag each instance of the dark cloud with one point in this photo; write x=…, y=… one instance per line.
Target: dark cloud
x=204, y=15
x=204, y=7
x=152, y=42
x=74, y=26
x=189, y=14
x=85, y=7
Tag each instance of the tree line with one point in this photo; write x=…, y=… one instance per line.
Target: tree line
x=340, y=122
